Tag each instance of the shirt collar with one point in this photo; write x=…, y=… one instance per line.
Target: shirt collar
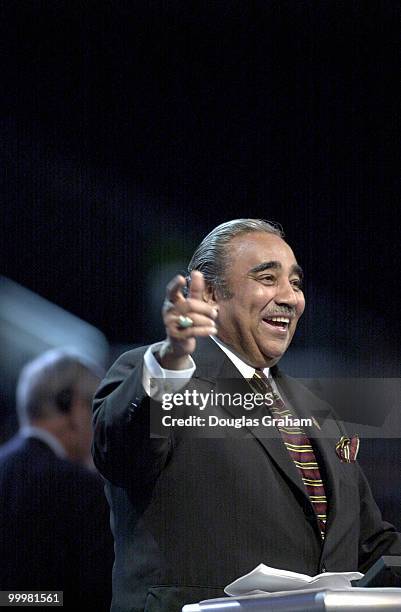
x=245, y=369
x=30, y=431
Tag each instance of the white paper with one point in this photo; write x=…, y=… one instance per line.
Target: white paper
x=265, y=579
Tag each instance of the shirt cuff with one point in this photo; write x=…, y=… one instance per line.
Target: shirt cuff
x=157, y=381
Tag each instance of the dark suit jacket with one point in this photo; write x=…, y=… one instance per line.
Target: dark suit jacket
x=54, y=526
x=191, y=515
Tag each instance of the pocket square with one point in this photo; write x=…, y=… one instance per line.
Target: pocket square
x=347, y=448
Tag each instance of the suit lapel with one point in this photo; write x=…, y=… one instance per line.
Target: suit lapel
x=323, y=437
x=214, y=366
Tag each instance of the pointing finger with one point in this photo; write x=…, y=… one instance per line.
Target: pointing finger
x=197, y=286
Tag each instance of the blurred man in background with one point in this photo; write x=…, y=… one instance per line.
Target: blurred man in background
x=55, y=532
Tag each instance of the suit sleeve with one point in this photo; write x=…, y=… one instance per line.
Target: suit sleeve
x=377, y=537
x=123, y=450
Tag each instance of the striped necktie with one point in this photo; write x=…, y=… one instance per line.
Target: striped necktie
x=300, y=450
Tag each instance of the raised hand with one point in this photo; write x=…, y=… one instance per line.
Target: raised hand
x=185, y=319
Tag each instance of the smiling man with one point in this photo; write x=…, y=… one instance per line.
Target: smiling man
x=192, y=513
x=263, y=300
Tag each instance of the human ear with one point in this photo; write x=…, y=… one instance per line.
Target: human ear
x=209, y=295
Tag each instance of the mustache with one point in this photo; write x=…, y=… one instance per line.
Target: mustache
x=285, y=311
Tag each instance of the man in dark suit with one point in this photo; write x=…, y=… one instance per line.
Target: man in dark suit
x=191, y=513
x=55, y=532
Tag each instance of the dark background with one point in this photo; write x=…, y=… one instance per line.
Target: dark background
x=130, y=129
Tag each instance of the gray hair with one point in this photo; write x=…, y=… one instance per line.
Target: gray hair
x=47, y=384
x=211, y=256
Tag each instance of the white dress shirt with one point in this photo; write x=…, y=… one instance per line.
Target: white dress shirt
x=157, y=381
